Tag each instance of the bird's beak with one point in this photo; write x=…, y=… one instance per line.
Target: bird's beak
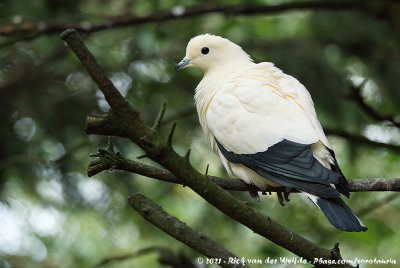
x=182, y=64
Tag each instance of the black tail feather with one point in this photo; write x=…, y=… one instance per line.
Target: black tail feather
x=339, y=214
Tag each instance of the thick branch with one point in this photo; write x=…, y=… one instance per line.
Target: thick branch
x=129, y=125
x=179, y=230
x=111, y=160
x=30, y=29
x=117, y=102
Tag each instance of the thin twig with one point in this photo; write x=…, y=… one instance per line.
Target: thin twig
x=371, y=112
x=377, y=204
x=29, y=29
x=359, y=139
x=124, y=257
x=171, y=134
x=165, y=256
x=159, y=118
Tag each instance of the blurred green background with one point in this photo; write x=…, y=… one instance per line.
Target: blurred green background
x=53, y=215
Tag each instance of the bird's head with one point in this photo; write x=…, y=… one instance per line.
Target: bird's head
x=208, y=51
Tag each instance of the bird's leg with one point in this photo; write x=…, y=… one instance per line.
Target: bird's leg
x=253, y=191
x=280, y=198
x=286, y=193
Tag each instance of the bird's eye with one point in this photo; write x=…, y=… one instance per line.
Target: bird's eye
x=205, y=50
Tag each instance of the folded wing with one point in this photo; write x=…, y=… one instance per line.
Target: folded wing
x=262, y=119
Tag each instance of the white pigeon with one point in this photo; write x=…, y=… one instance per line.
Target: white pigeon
x=263, y=125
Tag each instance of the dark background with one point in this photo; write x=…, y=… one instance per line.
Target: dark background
x=53, y=215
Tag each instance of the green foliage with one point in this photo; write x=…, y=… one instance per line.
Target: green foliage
x=52, y=214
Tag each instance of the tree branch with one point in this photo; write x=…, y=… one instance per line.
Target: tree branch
x=130, y=126
x=355, y=138
x=377, y=204
x=179, y=230
x=111, y=160
x=30, y=29
x=117, y=102
x=165, y=256
x=355, y=95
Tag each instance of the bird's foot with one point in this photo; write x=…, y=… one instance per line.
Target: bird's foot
x=253, y=191
x=283, y=195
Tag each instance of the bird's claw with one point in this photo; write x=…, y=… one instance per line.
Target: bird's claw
x=280, y=198
x=253, y=191
x=264, y=192
x=285, y=196
x=254, y=194
x=282, y=195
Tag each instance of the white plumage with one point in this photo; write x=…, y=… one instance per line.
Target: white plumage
x=258, y=115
